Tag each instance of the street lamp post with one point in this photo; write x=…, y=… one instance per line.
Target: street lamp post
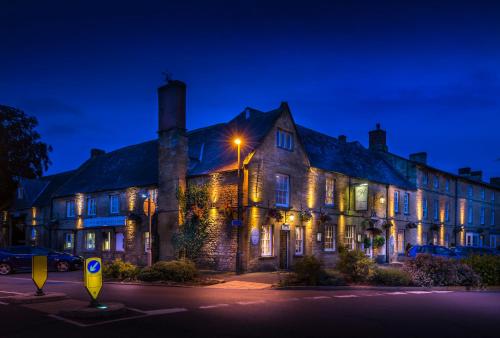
x=237, y=141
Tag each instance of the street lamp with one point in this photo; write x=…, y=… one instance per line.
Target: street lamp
x=237, y=141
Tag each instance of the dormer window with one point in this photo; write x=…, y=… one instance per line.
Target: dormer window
x=284, y=139
x=20, y=193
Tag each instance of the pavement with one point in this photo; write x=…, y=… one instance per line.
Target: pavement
x=153, y=311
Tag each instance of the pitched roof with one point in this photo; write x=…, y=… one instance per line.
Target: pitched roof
x=350, y=158
x=54, y=182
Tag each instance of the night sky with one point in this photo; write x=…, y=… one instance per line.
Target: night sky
x=428, y=72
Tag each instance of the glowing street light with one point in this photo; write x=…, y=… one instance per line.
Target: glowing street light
x=237, y=141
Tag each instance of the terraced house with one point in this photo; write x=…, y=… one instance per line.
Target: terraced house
x=284, y=191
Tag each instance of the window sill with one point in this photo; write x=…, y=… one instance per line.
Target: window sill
x=266, y=257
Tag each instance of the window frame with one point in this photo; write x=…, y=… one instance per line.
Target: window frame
x=435, y=182
x=329, y=193
x=470, y=214
x=436, y=210
x=425, y=208
x=284, y=139
x=350, y=237
x=447, y=211
x=266, y=241
x=396, y=201
x=122, y=235
x=70, y=209
x=299, y=240
x=329, y=244
x=71, y=241
x=482, y=215
x=278, y=191
x=91, y=202
x=106, y=239
x=406, y=203
x=89, y=234
x=111, y=209
x=492, y=216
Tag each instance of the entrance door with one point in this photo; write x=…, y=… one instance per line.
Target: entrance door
x=284, y=239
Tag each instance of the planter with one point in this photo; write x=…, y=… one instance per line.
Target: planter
x=380, y=259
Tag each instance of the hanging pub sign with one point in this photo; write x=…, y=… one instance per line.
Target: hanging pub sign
x=361, y=197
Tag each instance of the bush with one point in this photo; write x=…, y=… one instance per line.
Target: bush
x=181, y=270
x=333, y=278
x=427, y=270
x=355, y=265
x=149, y=274
x=488, y=267
x=390, y=277
x=308, y=270
x=120, y=270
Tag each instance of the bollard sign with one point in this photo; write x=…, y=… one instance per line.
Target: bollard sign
x=39, y=272
x=92, y=276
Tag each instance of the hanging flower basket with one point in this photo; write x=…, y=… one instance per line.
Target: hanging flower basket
x=374, y=231
x=387, y=225
x=275, y=214
x=305, y=216
x=411, y=225
x=324, y=218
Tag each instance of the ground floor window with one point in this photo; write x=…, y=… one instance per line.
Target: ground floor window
x=266, y=241
x=90, y=240
x=350, y=240
x=493, y=241
x=69, y=238
x=401, y=241
x=33, y=234
x=106, y=241
x=119, y=241
x=424, y=238
x=329, y=238
x=447, y=239
x=435, y=238
x=471, y=239
x=299, y=241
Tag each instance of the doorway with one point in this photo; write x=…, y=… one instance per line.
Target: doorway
x=284, y=239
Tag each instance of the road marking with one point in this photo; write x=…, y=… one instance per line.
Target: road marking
x=213, y=306
x=3, y=303
x=317, y=297
x=136, y=310
x=12, y=292
x=442, y=291
x=68, y=320
x=165, y=311
x=396, y=293
x=293, y=299
x=346, y=296
x=251, y=302
x=48, y=280
x=418, y=292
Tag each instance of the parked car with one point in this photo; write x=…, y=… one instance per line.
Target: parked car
x=434, y=250
x=18, y=258
x=464, y=251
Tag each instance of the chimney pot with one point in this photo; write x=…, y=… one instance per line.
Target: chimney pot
x=377, y=139
x=172, y=105
x=465, y=171
x=477, y=175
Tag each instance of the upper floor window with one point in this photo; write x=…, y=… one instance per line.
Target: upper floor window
x=436, y=210
x=470, y=191
x=483, y=194
x=284, y=139
x=425, y=178
x=425, y=210
x=447, y=211
x=282, y=191
x=361, y=197
x=114, y=204
x=70, y=208
x=407, y=203
x=469, y=214
x=447, y=185
x=492, y=197
x=396, y=201
x=91, y=206
x=436, y=182
x=481, y=215
x=329, y=191
x=20, y=193
x=492, y=217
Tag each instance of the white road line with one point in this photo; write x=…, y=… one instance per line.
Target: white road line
x=441, y=291
x=213, y=306
x=418, y=292
x=346, y=296
x=396, y=293
x=318, y=297
x=373, y=294
x=251, y=302
x=3, y=303
x=12, y=292
x=293, y=299
x=136, y=310
x=165, y=311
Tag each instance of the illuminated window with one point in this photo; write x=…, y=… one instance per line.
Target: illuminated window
x=361, y=197
x=68, y=240
x=472, y=239
x=401, y=241
x=90, y=240
x=492, y=196
x=469, y=214
x=481, y=215
x=299, y=241
x=266, y=241
x=436, y=210
x=350, y=239
x=447, y=211
x=330, y=191
x=91, y=207
x=119, y=242
x=424, y=208
x=436, y=182
x=396, y=201
x=33, y=234
x=282, y=190
x=284, y=139
x=106, y=241
x=435, y=238
x=329, y=238
x=407, y=203
x=114, y=204
x=70, y=208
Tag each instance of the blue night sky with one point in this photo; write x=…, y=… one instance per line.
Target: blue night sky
x=429, y=72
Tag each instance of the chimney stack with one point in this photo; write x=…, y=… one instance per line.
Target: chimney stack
x=464, y=171
x=476, y=175
x=94, y=152
x=342, y=139
x=420, y=157
x=377, y=139
x=172, y=161
x=495, y=181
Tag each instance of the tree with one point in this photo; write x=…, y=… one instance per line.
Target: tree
x=22, y=154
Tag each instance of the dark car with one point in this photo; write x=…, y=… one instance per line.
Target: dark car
x=434, y=250
x=18, y=258
x=464, y=251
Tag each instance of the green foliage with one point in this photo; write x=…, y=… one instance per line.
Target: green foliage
x=355, y=265
x=181, y=270
x=426, y=270
x=390, y=277
x=333, y=278
x=193, y=232
x=378, y=241
x=308, y=270
x=487, y=266
x=120, y=270
x=148, y=274
x=367, y=243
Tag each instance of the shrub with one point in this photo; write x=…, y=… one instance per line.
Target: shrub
x=378, y=241
x=488, y=267
x=148, y=274
x=427, y=270
x=390, y=277
x=120, y=270
x=181, y=270
x=333, y=278
x=355, y=265
x=308, y=270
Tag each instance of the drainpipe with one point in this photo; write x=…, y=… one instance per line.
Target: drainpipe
x=387, y=260
x=456, y=212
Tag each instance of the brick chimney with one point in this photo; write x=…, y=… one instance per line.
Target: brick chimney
x=476, y=175
x=420, y=157
x=377, y=139
x=172, y=161
x=464, y=171
x=94, y=152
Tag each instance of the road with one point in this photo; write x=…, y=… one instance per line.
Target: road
x=158, y=311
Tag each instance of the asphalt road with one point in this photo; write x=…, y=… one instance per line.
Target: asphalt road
x=201, y=312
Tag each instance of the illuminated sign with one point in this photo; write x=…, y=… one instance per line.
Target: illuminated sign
x=361, y=197
x=39, y=272
x=92, y=276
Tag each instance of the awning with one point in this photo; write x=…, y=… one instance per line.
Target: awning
x=111, y=221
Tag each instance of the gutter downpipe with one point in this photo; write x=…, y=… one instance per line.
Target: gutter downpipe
x=387, y=260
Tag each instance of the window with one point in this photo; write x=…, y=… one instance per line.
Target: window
x=425, y=178
x=90, y=240
x=33, y=234
x=447, y=211
x=70, y=208
x=396, y=201
x=119, y=242
x=69, y=238
x=20, y=193
x=425, y=210
x=481, y=215
x=299, y=241
x=436, y=182
x=492, y=217
x=436, y=210
x=329, y=191
x=284, y=139
x=470, y=191
x=361, y=197
x=91, y=207
x=401, y=241
x=492, y=197
x=350, y=237
x=424, y=238
x=106, y=241
x=447, y=240
x=493, y=241
x=266, y=241
x=147, y=241
x=471, y=239
x=407, y=203
x=282, y=190
x=483, y=194
x=114, y=204
x=329, y=238
x=435, y=238
x=469, y=214
x=447, y=185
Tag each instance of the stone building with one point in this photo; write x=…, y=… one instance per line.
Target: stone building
x=294, y=192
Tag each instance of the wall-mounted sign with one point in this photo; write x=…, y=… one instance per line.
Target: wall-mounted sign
x=285, y=227
x=104, y=221
x=319, y=236
x=361, y=197
x=255, y=236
